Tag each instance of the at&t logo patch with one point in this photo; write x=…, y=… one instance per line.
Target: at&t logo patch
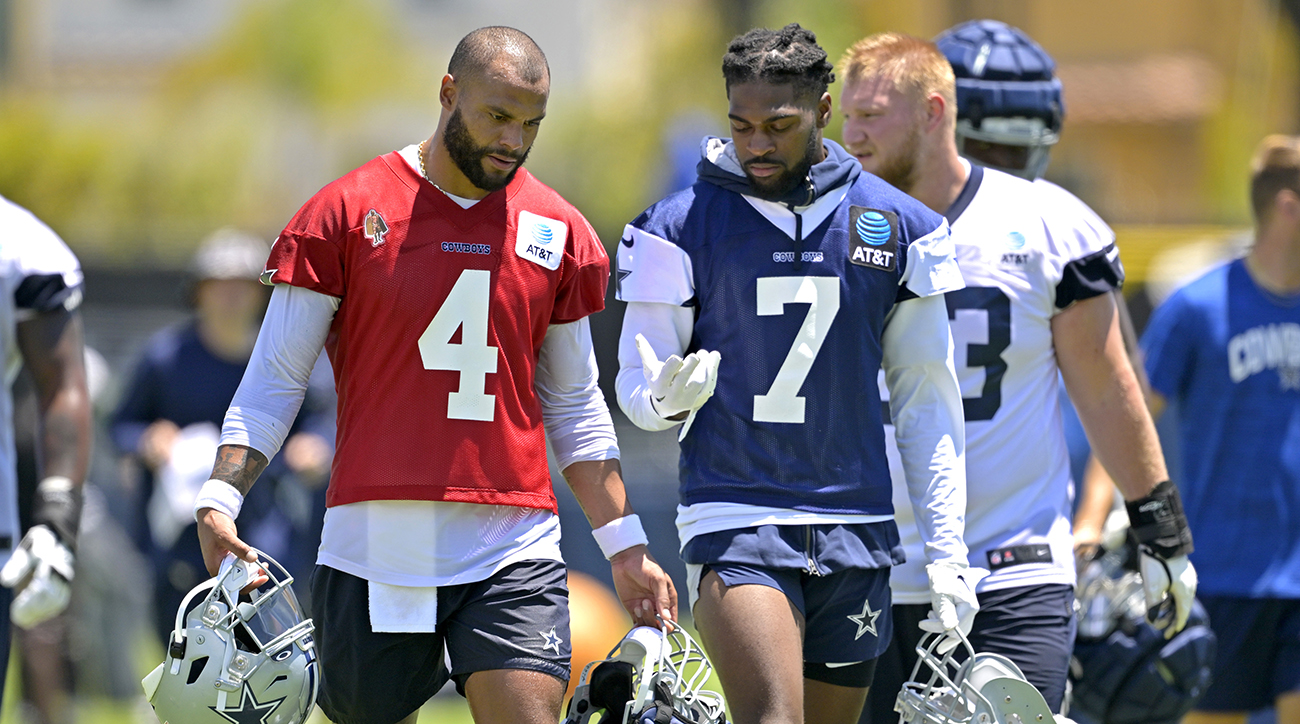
x=540, y=240
x=873, y=238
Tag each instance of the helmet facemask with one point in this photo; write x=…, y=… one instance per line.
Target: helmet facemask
x=965, y=687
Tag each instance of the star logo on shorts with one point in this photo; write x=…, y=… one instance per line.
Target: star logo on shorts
x=866, y=620
x=552, y=640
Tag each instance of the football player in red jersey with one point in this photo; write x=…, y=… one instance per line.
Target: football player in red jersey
x=450, y=289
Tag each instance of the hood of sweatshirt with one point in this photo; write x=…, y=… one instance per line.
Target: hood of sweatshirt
x=719, y=166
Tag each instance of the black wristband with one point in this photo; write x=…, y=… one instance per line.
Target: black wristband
x=1158, y=523
x=57, y=504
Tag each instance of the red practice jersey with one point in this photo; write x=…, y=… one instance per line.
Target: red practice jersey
x=436, y=338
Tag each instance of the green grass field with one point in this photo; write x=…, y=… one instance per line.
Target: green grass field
x=443, y=709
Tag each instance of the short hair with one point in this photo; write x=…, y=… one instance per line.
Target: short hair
x=1276, y=167
x=476, y=52
x=916, y=67
x=789, y=55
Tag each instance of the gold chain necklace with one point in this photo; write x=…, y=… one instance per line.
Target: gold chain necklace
x=424, y=171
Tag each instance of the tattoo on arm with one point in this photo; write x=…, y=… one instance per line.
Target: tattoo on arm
x=239, y=466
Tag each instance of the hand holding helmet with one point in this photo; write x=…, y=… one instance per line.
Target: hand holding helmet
x=237, y=652
x=1168, y=578
x=653, y=675
x=952, y=596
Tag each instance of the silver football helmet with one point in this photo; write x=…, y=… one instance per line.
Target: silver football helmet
x=980, y=689
x=238, y=656
x=649, y=671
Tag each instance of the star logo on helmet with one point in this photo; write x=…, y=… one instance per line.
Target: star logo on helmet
x=552, y=640
x=250, y=710
x=866, y=621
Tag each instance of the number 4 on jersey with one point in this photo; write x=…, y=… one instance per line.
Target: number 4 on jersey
x=466, y=309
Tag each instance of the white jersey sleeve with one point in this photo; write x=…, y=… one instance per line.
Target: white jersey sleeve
x=41, y=272
x=932, y=264
x=653, y=269
x=1080, y=247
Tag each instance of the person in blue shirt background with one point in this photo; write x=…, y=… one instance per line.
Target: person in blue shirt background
x=1224, y=353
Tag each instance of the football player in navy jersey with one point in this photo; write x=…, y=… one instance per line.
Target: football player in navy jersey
x=761, y=301
x=1040, y=270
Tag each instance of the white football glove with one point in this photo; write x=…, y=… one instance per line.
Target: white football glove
x=678, y=385
x=1170, y=588
x=952, y=596
x=40, y=569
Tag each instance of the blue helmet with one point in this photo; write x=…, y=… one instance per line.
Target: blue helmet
x=1123, y=670
x=1007, y=92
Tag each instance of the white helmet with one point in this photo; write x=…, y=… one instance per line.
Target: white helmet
x=247, y=658
x=651, y=676
x=981, y=689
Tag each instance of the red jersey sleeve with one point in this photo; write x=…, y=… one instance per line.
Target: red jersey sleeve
x=585, y=275
x=309, y=252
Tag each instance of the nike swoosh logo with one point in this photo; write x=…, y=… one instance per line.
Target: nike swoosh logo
x=627, y=242
x=841, y=665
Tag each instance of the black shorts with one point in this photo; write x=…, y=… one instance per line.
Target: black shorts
x=516, y=619
x=1031, y=625
x=1258, y=656
x=845, y=604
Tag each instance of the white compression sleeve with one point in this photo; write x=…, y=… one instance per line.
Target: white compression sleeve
x=667, y=327
x=925, y=404
x=573, y=407
x=293, y=331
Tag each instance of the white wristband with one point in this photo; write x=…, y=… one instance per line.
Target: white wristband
x=220, y=496
x=620, y=534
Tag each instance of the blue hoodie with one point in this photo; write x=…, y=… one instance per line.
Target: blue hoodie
x=794, y=296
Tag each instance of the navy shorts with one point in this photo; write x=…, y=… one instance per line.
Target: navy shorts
x=1031, y=625
x=516, y=619
x=1258, y=655
x=831, y=575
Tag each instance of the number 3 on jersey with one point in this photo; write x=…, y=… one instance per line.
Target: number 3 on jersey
x=466, y=309
x=981, y=321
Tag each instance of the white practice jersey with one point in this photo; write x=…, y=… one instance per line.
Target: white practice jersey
x=1027, y=250
x=37, y=273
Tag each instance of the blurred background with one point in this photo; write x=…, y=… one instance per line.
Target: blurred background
x=135, y=128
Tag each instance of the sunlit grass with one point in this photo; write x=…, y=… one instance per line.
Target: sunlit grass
x=447, y=708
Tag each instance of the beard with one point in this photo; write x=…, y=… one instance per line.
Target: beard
x=899, y=168
x=468, y=156
x=776, y=188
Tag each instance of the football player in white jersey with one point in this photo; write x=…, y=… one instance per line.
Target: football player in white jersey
x=1038, y=307
x=40, y=291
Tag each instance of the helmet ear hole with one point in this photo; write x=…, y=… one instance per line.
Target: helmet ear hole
x=611, y=686
x=196, y=669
